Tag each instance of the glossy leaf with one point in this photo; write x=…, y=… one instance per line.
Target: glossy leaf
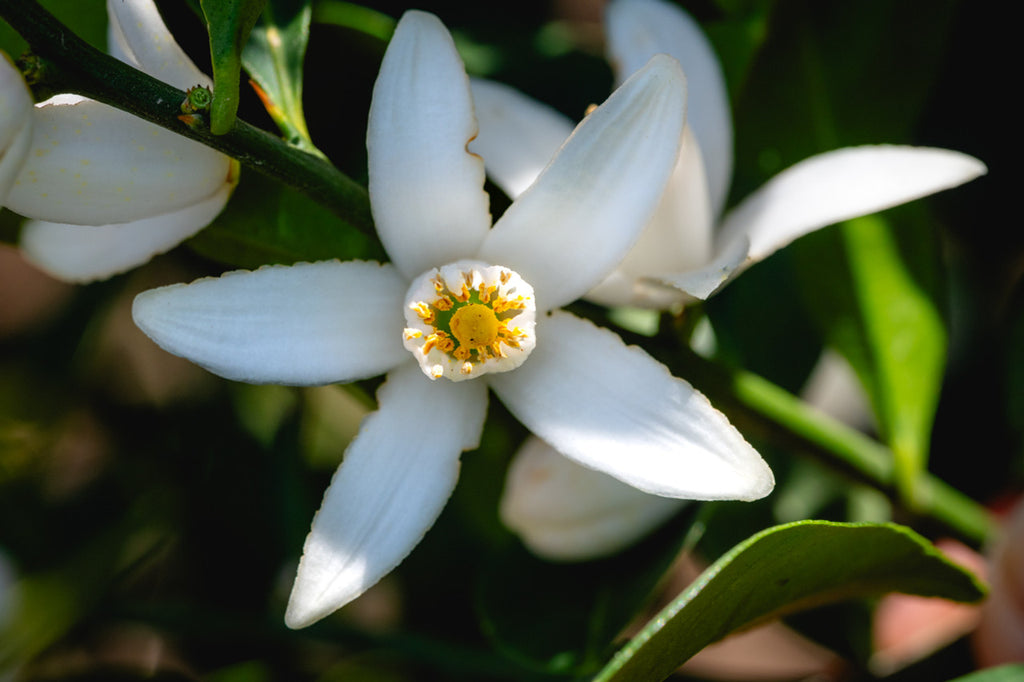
x=785, y=569
x=229, y=23
x=274, y=58
x=269, y=223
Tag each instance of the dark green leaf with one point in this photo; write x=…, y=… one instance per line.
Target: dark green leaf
x=267, y=222
x=274, y=58
x=785, y=569
x=562, y=618
x=87, y=18
x=229, y=23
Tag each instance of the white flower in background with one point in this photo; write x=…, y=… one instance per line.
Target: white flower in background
x=682, y=247
x=565, y=512
x=683, y=254
x=15, y=123
x=107, y=190
x=463, y=308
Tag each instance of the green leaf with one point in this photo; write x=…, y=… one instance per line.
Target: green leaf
x=229, y=23
x=274, y=58
x=356, y=17
x=874, y=299
x=785, y=569
x=87, y=18
x=1013, y=672
x=267, y=222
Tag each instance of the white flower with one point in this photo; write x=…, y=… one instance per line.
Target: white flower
x=457, y=302
x=682, y=254
x=15, y=123
x=682, y=247
x=107, y=190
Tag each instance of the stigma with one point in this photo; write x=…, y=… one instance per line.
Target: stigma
x=467, y=319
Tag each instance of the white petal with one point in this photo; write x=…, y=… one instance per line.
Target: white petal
x=615, y=409
x=703, y=281
x=677, y=239
x=518, y=135
x=638, y=29
x=566, y=512
x=302, y=325
x=395, y=479
x=842, y=184
x=84, y=253
x=426, y=189
x=92, y=164
x=15, y=124
x=137, y=35
x=577, y=221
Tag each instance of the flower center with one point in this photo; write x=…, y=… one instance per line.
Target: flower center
x=475, y=326
x=469, y=318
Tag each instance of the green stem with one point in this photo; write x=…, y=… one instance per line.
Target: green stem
x=757, y=405
x=70, y=65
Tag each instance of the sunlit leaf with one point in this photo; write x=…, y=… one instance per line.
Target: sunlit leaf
x=785, y=569
x=229, y=23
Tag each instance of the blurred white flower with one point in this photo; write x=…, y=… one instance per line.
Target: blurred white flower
x=107, y=190
x=682, y=254
x=478, y=302
x=999, y=637
x=15, y=123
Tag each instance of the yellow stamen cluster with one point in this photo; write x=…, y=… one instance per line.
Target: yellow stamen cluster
x=471, y=320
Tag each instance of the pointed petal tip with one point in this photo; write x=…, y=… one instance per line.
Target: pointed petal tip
x=300, y=613
x=841, y=184
x=307, y=603
x=761, y=482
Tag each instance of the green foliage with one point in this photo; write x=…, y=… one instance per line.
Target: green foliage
x=190, y=521
x=274, y=59
x=560, y=618
x=782, y=570
x=269, y=223
x=87, y=18
x=881, y=314
x=229, y=23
